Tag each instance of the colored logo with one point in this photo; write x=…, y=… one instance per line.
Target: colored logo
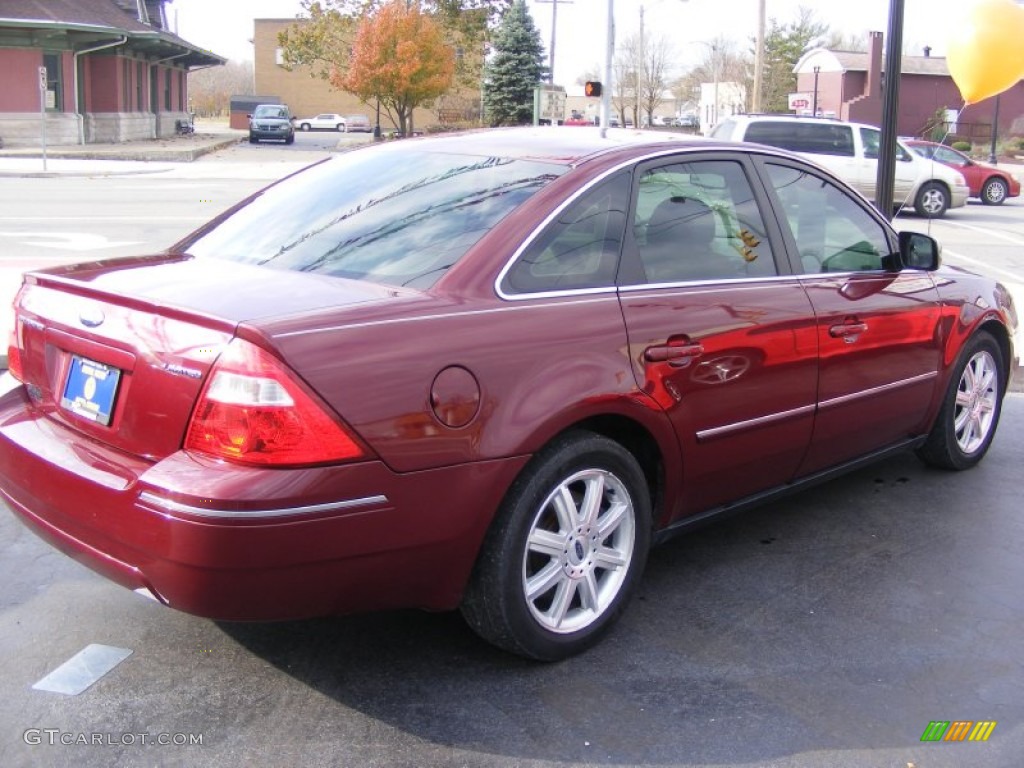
x=958, y=730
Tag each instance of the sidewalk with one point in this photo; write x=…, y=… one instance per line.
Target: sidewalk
x=125, y=158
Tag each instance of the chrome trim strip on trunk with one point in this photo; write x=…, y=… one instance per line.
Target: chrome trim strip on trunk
x=159, y=504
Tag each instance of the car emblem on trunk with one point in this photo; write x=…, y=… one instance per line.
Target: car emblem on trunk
x=91, y=317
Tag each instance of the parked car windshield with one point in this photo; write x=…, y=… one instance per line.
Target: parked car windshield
x=397, y=217
x=271, y=112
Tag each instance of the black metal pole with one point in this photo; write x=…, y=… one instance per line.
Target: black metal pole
x=890, y=111
x=814, y=104
x=995, y=135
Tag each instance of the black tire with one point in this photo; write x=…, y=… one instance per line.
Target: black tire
x=290, y=139
x=967, y=421
x=305, y=127
x=253, y=140
x=994, y=191
x=932, y=200
x=344, y=128
x=569, y=557
x=340, y=127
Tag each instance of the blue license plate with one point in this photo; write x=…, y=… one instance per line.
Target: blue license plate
x=90, y=389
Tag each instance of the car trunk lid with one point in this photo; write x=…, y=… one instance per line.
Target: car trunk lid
x=119, y=350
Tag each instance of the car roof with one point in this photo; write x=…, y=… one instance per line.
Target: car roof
x=565, y=145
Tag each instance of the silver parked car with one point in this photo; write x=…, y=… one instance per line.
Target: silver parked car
x=850, y=150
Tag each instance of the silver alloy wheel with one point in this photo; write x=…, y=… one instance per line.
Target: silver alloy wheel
x=976, y=402
x=578, y=551
x=933, y=200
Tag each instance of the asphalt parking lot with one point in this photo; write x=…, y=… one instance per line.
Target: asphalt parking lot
x=830, y=629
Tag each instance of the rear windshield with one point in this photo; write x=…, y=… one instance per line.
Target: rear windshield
x=392, y=215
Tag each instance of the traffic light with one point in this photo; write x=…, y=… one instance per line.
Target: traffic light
x=592, y=88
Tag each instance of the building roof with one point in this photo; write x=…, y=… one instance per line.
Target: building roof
x=857, y=61
x=80, y=23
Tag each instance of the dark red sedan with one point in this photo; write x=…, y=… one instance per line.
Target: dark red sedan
x=988, y=182
x=484, y=372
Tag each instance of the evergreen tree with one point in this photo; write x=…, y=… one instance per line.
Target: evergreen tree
x=784, y=44
x=516, y=67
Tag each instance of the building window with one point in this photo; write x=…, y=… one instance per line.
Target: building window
x=279, y=57
x=167, y=90
x=139, y=81
x=126, y=86
x=181, y=90
x=54, y=95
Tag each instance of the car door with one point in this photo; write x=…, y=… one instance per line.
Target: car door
x=723, y=342
x=906, y=169
x=878, y=325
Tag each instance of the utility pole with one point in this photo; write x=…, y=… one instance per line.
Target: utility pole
x=755, y=101
x=554, y=26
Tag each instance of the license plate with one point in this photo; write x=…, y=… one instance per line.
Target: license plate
x=90, y=389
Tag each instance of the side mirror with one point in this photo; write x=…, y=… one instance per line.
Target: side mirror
x=919, y=251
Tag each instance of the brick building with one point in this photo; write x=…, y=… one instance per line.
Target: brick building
x=306, y=94
x=111, y=71
x=848, y=85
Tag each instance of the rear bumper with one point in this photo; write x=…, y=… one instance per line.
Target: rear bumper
x=241, y=543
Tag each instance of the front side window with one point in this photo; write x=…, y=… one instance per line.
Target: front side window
x=832, y=231
x=398, y=217
x=872, y=139
x=699, y=221
x=580, y=248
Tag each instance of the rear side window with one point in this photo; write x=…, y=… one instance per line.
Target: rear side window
x=580, y=248
x=814, y=138
x=399, y=217
x=699, y=221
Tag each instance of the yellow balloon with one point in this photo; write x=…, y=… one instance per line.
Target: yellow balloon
x=986, y=51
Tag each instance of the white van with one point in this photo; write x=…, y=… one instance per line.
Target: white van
x=850, y=150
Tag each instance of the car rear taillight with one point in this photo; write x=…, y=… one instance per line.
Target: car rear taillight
x=14, y=364
x=14, y=357
x=254, y=411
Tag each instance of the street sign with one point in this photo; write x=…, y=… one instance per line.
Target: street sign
x=799, y=101
x=42, y=78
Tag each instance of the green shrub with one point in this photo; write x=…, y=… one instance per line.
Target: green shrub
x=963, y=146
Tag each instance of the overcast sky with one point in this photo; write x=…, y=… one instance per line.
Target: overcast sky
x=226, y=26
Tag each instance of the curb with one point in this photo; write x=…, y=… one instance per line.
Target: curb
x=143, y=154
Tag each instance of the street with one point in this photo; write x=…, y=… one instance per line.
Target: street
x=829, y=629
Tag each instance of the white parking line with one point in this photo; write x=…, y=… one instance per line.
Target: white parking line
x=986, y=231
x=83, y=669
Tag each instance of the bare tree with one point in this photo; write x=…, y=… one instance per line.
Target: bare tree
x=624, y=74
x=658, y=54
x=210, y=90
x=721, y=63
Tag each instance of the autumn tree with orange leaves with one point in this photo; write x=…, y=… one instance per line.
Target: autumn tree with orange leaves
x=400, y=59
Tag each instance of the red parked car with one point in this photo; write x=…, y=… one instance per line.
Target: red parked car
x=489, y=376
x=988, y=182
